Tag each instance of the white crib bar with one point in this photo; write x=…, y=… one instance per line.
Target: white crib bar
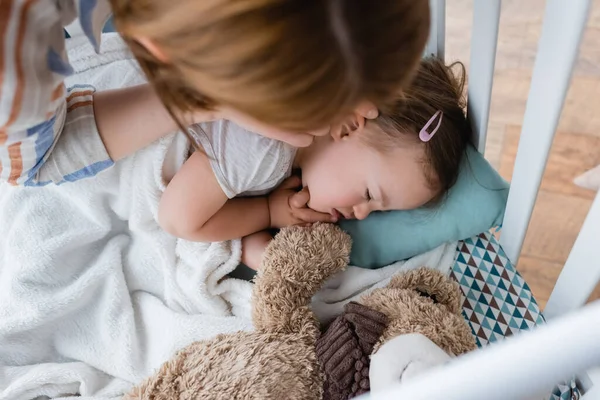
x=525, y=365
x=564, y=22
x=589, y=383
x=484, y=37
x=581, y=272
x=593, y=394
x=436, y=45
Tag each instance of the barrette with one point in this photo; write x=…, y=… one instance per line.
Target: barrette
x=426, y=136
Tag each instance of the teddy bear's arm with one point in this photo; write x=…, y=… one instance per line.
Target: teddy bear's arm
x=295, y=265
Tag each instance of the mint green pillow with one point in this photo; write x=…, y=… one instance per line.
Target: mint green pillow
x=475, y=204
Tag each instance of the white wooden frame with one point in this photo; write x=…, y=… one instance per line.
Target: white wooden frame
x=501, y=371
x=486, y=17
x=436, y=45
x=530, y=363
x=564, y=23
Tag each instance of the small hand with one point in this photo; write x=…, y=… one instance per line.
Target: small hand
x=288, y=207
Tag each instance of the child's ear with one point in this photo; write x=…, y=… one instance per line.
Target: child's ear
x=153, y=49
x=350, y=126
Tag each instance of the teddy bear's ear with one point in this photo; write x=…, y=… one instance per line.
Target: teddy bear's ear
x=433, y=284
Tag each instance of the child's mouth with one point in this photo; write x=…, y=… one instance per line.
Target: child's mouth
x=336, y=214
x=340, y=215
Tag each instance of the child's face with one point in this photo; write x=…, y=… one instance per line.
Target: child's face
x=347, y=178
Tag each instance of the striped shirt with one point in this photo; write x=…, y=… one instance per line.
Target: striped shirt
x=48, y=133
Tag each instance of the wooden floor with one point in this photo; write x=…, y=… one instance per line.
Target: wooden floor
x=561, y=206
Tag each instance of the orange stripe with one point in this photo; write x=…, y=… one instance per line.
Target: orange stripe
x=58, y=92
x=79, y=94
x=80, y=104
x=18, y=99
x=16, y=162
x=5, y=11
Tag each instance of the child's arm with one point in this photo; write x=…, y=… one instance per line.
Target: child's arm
x=194, y=207
x=253, y=247
x=131, y=118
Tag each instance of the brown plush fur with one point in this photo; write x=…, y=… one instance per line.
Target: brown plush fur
x=278, y=360
x=423, y=301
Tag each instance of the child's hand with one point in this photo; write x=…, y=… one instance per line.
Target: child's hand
x=288, y=207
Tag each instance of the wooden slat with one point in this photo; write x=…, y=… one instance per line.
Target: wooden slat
x=563, y=26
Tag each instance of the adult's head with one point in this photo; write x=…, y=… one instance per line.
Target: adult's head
x=296, y=65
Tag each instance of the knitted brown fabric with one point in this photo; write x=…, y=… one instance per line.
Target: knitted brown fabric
x=344, y=349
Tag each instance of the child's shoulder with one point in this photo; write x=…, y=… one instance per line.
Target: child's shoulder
x=243, y=161
x=228, y=137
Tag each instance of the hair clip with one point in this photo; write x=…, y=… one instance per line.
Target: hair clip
x=426, y=136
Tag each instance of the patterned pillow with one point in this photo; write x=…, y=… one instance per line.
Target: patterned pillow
x=497, y=300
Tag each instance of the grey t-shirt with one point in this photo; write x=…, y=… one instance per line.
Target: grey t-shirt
x=244, y=163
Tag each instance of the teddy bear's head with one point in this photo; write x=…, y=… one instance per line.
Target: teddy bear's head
x=423, y=301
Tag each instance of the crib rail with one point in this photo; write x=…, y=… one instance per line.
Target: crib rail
x=436, y=44
x=484, y=38
x=520, y=367
x=581, y=272
x=562, y=30
x=563, y=26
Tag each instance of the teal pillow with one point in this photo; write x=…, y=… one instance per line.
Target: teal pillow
x=475, y=204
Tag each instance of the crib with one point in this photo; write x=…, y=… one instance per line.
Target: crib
x=566, y=348
x=535, y=362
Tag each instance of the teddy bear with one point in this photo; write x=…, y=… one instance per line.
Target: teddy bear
x=283, y=358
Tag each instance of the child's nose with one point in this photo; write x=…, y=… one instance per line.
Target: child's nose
x=361, y=211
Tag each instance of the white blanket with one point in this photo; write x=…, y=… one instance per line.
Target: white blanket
x=94, y=296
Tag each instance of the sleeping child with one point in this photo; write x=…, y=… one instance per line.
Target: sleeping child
x=406, y=158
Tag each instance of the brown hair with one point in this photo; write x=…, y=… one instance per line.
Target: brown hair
x=435, y=87
x=293, y=64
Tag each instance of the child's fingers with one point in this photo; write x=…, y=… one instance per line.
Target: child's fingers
x=300, y=199
x=312, y=216
x=290, y=183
